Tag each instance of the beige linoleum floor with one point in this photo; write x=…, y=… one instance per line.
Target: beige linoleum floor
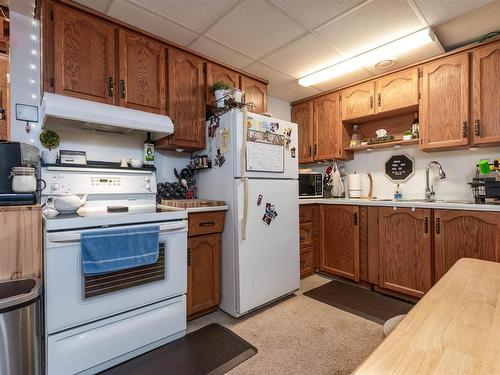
x=300, y=335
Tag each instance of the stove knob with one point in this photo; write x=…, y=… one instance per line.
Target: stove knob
x=147, y=186
x=54, y=186
x=146, y=179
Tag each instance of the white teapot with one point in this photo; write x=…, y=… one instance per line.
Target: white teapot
x=66, y=203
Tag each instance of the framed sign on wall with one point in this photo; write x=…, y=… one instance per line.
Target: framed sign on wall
x=399, y=168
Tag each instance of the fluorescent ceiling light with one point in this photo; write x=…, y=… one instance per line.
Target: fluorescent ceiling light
x=387, y=51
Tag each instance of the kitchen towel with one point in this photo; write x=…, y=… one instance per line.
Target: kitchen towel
x=109, y=250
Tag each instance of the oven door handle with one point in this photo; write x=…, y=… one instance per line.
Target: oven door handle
x=75, y=237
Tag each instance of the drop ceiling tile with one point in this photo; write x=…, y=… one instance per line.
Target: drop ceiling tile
x=293, y=91
x=302, y=57
x=194, y=14
x=470, y=26
x=314, y=13
x=99, y=5
x=218, y=51
x=371, y=25
x=276, y=79
x=344, y=80
x=255, y=28
x=438, y=11
x=147, y=21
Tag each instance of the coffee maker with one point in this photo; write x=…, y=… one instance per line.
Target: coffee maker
x=15, y=154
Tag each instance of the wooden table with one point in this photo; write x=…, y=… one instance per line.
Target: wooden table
x=453, y=329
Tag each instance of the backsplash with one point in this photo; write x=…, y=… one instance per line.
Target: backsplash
x=459, y=167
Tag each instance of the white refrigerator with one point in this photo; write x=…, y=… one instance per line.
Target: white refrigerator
x=255, y=171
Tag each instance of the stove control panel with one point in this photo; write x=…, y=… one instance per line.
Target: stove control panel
x=68, y=180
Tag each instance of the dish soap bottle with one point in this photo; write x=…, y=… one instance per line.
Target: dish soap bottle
x=149, y=151
x=397, y=193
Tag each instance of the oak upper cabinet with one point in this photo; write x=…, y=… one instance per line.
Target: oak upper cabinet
x=444, y=106
x=465, y=234
x=339, y=241
x=486, y=94
x=302, y=114
x=141, y=73
x=255, y=92
x=405, y=255
x=358, y=101
x=328, y=129
x=216, y=73
x=203, y=273
x=186, y=102
x=82, y=56
x=397, y=91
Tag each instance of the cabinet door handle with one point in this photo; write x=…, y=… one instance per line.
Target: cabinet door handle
x=438, y=225
x=355, y=218
x=315, y=149
x=122, y=88
x=310, y=151
x=189, y=256
x=111, y=87
x=426, y=225
x=302, y=262
x=302, y=238
x=207, y=224
x=371, y=102
x=379, y=100
x=477, y=128
x=465, y=129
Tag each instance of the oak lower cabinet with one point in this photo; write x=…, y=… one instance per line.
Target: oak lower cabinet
x=255, y=92
x=203, y=259
x=405, y=250
x=186, y=102
x=465, y=234
x=444, y=106
x=79, y=56
x=339, y=241
x=486, y=94
x=308, y=239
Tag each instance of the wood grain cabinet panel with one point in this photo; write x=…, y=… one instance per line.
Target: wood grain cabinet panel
x=405, y=255
x=339, y=242
x=465, y=234
x=203, y=291
x=486, y=94
x=142, y=79
x=84, y=56
x=302, y=115
x=255, y=92
x=444, y=107
x=397, y=91
x=216, y=73
x=358, y=101
x=306, y=234
x=327, y=127
x=186, y=102
x=306, y=262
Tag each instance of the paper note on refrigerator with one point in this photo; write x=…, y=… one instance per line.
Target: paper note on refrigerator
x=265, y=152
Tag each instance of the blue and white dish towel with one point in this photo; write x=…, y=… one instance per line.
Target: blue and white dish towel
x=109, y=250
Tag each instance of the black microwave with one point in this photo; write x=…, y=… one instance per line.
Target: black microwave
x=310, y=185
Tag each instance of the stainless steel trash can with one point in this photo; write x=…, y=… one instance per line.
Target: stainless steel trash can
x=20, y=327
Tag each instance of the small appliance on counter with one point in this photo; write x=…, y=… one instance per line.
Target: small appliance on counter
x=22, y=159
x=310, y=185
x=486, y=183
x=354, y=181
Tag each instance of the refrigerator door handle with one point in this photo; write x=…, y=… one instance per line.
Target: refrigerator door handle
x=245, y=209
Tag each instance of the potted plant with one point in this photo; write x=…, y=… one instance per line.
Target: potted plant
x=50, y=140
x=407, y=135
x=220, y=89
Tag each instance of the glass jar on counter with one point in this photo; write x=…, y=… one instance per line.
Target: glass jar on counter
x=23, y=179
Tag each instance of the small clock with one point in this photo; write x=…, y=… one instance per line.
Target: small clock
x=28, y=113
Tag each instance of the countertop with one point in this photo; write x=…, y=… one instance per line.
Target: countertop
x=410, y=204
x=453, y=329
x=194, y=209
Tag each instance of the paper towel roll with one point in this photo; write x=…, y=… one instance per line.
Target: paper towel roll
x=354, y=181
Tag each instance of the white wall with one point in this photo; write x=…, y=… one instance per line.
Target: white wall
x=278, y=108
x=99, y=146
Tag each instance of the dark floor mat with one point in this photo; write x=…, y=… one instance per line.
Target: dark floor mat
x=359, y=301
x=212, y=350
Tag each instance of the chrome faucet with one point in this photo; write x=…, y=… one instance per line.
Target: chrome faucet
x=429, y=190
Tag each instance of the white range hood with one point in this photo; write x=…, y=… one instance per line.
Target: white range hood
x=65, y=113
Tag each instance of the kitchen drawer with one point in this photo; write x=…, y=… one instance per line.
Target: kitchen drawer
x=306, y=234
x=306, y=262
x=205, y=223
x=306, y=213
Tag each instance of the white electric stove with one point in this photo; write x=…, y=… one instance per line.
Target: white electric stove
x=95, y=322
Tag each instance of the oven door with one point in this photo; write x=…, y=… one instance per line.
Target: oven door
x=72, y=300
